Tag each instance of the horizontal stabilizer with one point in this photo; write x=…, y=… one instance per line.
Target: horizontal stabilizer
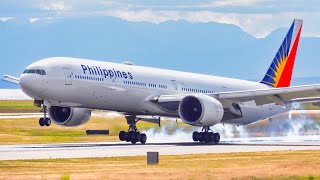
x=11, y=79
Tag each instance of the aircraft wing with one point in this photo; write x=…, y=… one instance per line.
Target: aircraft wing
x=281, y=96
x=11, y=79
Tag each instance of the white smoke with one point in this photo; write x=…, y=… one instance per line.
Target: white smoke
x=296, y=126
x=287, y=128
x=170, y=132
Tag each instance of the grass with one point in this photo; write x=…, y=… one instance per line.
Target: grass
x=16, y=104
x=258, y=165
x=16, y=131
x=10, y=106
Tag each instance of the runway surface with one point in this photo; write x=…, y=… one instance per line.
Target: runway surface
x=84, y=150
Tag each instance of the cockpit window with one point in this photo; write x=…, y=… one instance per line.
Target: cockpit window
x=34, y=71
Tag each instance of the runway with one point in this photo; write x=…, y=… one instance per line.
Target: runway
x=90, y=150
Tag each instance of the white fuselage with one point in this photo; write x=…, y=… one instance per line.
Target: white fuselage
x=128, y=88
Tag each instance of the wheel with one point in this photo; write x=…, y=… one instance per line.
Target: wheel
x=202, y=137
x=131, y=136
x=143, y=138
x=127, y=137
x=133, y=141
x=122, y=135
x=138, y=136
x=41, y=122
x=210, y=136
x=207, y=138
x=47, y=121
x=195, y=136
x=216, y=138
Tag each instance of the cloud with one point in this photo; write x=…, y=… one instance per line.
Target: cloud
x=32, y=20
x=54, y=6
x=256, y=24
x=231, y=3
x=248, y=22
x=144, y=15
x=4, y=19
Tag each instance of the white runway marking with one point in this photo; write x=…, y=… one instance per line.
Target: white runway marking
x=88, y=150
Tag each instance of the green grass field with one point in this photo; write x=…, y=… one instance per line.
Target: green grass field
x=17, y=131
x=17, y=106
x=258, y=165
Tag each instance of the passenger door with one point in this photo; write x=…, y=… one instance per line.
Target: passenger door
x=175, y=87
x=68, y=76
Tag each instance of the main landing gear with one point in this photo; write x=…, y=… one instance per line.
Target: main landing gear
x=44, y=121
x=133, y=135
x=206, y=136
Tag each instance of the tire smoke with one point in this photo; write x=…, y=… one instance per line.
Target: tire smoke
x=294, y=126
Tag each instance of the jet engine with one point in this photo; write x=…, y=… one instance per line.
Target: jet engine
x=69, y=116
x=200, y=110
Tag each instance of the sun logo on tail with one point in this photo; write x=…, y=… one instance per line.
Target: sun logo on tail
x=280, y=66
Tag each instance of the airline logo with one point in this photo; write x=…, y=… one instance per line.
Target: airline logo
x=280, y=71
x=111, y=73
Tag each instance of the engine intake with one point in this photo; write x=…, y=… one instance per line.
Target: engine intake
x=68, y=116
x=200, y=110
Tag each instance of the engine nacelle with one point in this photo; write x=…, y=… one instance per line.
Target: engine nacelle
x=200, y=110
x=68, y=116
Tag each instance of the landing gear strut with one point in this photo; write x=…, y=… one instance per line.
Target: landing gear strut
x=133, y=135
x=206, y=136
x=44, y=121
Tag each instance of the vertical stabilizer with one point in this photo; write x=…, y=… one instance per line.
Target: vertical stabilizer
x=280, y=71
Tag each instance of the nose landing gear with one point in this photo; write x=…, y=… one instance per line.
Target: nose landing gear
x=133, y=135
x=206, y=136
x=45, y=121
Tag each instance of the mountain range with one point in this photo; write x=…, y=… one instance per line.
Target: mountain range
x=209, y=48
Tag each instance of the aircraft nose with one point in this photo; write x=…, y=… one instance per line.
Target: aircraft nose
x=29, y=86
x=24, y=83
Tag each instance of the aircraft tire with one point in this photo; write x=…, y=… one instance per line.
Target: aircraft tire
x=47, y=121
x=143, y=138
x=41, y=122
x=137, y=137
x=195, y=136
x=216, y=138
x=122, y=135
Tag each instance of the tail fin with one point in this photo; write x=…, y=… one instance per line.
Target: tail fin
x=280, y=71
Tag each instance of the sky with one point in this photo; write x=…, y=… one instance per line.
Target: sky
x=256, y=17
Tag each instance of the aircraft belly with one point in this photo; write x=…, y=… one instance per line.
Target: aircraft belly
x=252, y=114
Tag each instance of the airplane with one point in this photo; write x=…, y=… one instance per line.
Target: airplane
x=70, y=88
